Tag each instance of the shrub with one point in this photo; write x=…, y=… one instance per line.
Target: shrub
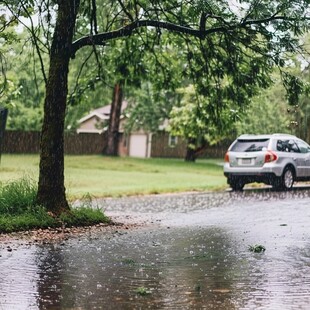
x=17, y=197
x=18, y=210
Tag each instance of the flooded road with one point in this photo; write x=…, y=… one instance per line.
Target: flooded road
x=192, y=252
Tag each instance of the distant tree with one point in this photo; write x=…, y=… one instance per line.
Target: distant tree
x=25, y=88
x=151, y=101
x=149, y=107
x=267, y=112
x=114, y=121
x=7, y=38
x=191, y=120
x=231, y=53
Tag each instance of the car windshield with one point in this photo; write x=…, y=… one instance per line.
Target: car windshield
x=250, y=145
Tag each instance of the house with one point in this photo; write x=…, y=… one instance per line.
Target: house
x=97, y=120
x=134, y=144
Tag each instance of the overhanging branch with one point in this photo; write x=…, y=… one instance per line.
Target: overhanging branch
x=101, y=38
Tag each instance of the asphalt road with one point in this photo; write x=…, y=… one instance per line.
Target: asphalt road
x=192, y=251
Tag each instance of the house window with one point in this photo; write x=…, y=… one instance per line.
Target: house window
x=173, y=141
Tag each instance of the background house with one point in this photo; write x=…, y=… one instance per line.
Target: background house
x=134, y=144
x=97, y=120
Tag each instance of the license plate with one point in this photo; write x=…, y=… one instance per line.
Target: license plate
x=246, y=161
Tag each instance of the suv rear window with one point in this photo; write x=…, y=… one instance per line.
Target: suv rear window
x=250, y=145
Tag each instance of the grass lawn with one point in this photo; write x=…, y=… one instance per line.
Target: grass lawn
x=106, y=176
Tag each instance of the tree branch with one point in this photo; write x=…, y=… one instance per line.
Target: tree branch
x=125, y=11
x=127, y=30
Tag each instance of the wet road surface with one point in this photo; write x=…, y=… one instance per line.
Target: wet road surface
x=191, y=253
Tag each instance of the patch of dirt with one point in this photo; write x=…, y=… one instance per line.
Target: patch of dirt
x=53, y=235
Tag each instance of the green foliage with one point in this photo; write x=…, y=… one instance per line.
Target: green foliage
x=26, y=221
x=17, y=197
x=257, y=248
x=294, y=87
x=18, y=210
x=83, y=216
x=142, y=291
x=192, y=121
x=267, y=112
x=7, y=37
x=148, y=108
x=24, y=89
x=17, y=207
x=227, y=65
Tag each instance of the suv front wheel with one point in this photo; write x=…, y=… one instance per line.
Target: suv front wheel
x=286, y=181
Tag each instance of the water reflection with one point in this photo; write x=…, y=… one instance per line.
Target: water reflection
x=18, y=274
x=192, y=260
x=182, y=268
x=51, y=281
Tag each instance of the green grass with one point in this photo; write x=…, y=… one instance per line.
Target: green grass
x=107, y=176
x=18, y=210
x=100, y=177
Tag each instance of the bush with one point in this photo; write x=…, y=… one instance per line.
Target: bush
x=18, y=210
x=17, y=197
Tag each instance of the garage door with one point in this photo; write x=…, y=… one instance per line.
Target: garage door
x=138, y=145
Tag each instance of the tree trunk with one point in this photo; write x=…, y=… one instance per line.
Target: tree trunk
x=190, y=151
x=115, y=114
x=51, y=189
x=190, y=155
x=193, y=152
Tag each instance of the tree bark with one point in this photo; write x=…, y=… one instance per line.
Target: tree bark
x=51, y=189
x=193, y=153
x=190, y=155
x=190, y=151
x=115, y=114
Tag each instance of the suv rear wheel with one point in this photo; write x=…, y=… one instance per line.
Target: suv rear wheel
x=287, y=179
x=236, y=184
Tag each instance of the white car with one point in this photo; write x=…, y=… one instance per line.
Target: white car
x=277, y=159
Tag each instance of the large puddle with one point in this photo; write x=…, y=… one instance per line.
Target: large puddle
x=194, y=256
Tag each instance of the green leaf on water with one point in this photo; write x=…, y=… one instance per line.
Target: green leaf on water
x=257, y=248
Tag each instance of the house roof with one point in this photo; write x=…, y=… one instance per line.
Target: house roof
x=91, y=115
x=102, y=113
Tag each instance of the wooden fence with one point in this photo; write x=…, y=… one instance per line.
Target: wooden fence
x=161, y=148
x=17, y=142
x=28, y=142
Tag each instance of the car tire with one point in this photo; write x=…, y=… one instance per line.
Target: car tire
x=286, y=181
x=236, y=184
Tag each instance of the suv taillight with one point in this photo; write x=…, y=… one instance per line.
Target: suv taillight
x=226, y=158
x=270, y=156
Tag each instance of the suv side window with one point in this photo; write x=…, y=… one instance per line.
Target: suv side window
x=287, y=146
x=304, y=147
x=281, y=146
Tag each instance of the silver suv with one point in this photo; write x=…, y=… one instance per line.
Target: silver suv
x=277, y=160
